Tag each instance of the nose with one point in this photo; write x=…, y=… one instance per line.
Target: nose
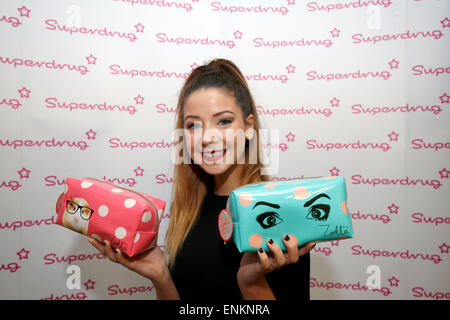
x=211, y=136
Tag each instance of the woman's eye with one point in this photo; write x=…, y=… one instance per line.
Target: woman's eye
x=268, y=219
x=225, y=122
x=319, y=212
x=194, y=126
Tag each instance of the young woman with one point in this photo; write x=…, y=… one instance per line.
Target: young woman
x=214, y=104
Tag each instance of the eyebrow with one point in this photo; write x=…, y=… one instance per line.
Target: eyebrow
x=214, y=115
x=273, y=205
x=310, y=202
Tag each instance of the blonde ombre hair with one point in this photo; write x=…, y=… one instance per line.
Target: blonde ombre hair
x=191, y=182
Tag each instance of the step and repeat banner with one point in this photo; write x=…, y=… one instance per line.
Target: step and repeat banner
x=359, y=89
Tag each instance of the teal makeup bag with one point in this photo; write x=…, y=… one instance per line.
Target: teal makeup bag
x=311, y=209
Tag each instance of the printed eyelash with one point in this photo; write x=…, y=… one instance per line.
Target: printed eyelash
x=313, y=209
x=269, y=214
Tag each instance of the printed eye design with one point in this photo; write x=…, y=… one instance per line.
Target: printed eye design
x=268, y=219
x=319, y=211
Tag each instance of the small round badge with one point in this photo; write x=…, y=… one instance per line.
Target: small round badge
x=225, y=225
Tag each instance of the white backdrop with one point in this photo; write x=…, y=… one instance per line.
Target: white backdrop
x=358, y=89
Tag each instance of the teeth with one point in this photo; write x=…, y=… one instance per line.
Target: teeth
x=213, y=154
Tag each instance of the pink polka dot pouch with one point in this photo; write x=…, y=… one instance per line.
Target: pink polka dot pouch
x=129, y=220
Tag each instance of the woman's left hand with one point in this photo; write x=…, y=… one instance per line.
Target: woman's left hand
x=255, y=265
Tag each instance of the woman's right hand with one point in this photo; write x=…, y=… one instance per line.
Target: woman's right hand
x=150, y=264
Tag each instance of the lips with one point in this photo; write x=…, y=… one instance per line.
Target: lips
x=213, y=155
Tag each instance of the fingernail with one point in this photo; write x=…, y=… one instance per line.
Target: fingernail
x=270, y=241
x=286, y=237
x=260, y=250
x=314, y=244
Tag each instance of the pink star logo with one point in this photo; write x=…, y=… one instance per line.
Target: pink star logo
x=334, y=172
x=290, y=136
x=445, y=98
x=393, y=282
x=194, y=66
x=444, y=248
x=393, y=136
x=393, y=209
x=291, y=2
x=444, y=173
x=139, y=99
x=335, y=33
x=24, y=92
x=393, y=64
x=290, y=68
x=89, y=284
x=91, y=134
x=237, y=35
x=24, y=12
x=23, y=254
x=24, y=173
x=445, y=23
x=335, y=102
x=139, y=27
x=91, y=59
x=139, y=171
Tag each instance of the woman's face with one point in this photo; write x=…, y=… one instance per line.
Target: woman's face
x=215, y=130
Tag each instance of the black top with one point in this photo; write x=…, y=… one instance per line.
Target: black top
x=205, y=268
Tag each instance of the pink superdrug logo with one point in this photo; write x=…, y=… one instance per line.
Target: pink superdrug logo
x=407, y=181
x=315, y=6
x=163, y=37
x=57, y=104
x=254, y=8
x=328, y=285
x=374, y=39
x=106, y=32
x=293, y=111
x=407, y=108
x=46, y=64
x=326, y=42
x=119, y=70
x=313, y=144
x=400, y=254
x=47, y=143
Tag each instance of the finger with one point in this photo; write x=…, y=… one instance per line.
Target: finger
x=100, y=247
x=306, y=248
x=292, y=252
x=121, y=258
x=278, y=254
x=109, y=252
x=264, y=260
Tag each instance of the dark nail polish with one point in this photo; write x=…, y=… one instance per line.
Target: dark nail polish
x=286, y=237
x=260, y=250
x=270, y=241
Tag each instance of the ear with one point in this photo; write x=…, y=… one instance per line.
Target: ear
x=249, y=132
